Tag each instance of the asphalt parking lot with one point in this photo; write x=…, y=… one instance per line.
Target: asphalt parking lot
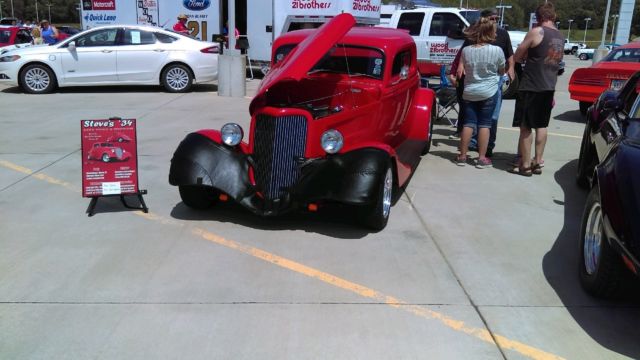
x=474, y=264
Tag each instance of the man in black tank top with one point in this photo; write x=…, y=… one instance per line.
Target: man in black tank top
x=541, y=50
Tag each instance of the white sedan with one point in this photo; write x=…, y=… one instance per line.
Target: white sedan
x=113, y=55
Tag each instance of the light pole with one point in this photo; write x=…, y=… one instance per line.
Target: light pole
x=613, y=27
x=1, y=9
x=12, y=9
x=569, y=33
x=37, y=16
x=586, y=25
x=502, y=7
x=49, y=5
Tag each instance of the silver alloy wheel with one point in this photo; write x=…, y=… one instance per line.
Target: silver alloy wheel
x=37, y=79
x=105, y=157
x=177, y=78
x=593, y=239
x=386, y=196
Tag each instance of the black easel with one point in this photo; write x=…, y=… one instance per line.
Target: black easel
x=143, y=206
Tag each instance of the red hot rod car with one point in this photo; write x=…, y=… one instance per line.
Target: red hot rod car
x=340, y=118
x=108, y=152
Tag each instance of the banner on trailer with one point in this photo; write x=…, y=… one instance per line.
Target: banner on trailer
x=109, y=157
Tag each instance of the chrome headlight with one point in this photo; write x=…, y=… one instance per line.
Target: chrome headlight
x=231, y=134
x=9, y=58
x=331, y=141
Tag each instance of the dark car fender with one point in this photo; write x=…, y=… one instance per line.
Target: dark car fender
x=351, y=178
x=618, y=178
x=200, y=160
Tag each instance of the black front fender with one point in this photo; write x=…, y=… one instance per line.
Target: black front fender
x=198, y=160
x=350, y=178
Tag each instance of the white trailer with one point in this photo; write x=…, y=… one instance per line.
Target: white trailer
x=265, y=19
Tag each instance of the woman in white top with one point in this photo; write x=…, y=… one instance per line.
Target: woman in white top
x=483, y=64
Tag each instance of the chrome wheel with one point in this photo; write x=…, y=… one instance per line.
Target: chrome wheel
x=105, y=157
x=37, y=79
x=387, y=192
x=177, y=78
x=593, y=239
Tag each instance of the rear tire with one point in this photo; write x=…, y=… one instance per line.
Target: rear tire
x=177, y=78
x=37, y=79
x=601, y=270
x=377, y=215
x=198, y=197
x=584, y=106
x=583, y=57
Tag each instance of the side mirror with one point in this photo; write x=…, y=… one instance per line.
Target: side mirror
x=71, y=46
x=614, y=104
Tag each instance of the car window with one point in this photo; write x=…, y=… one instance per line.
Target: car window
x=102, y=37
x=352, y=60
x=164, y=38
x=624, y=55
x=138, y=37
x=443, y=23
x=470, y=15
x=23, y=37
x=411, y=21
x=401, y=60
x=5, y=35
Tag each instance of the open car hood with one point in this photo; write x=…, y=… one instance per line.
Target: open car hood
x=305, y=55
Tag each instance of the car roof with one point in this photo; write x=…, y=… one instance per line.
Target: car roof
x=631, y=45
x=387, y=39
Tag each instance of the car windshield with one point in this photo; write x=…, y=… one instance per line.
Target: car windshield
x=470, y=15
x=624, y=55
x=352, y=60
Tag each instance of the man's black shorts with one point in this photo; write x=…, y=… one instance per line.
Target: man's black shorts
x=533, y=109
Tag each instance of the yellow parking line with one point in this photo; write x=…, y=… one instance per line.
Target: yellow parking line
x=420, y=311
x=550, y=133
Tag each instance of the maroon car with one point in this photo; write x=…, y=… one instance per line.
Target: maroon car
x=340, y=118
x=108, y=152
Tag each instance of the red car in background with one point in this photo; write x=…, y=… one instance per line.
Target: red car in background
x=14, y=35
x=612, y=72
x=339, y=118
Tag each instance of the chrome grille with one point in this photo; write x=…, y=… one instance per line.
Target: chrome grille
x=278, y=143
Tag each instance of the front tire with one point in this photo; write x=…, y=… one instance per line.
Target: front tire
x=105, y=158
x=37, y=79
x=377, y=216
x=198, y=197
x=177, y=78
x=601, y=269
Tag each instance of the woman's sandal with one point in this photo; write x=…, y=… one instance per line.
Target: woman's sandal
x=521, y=171
x=536, y=169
